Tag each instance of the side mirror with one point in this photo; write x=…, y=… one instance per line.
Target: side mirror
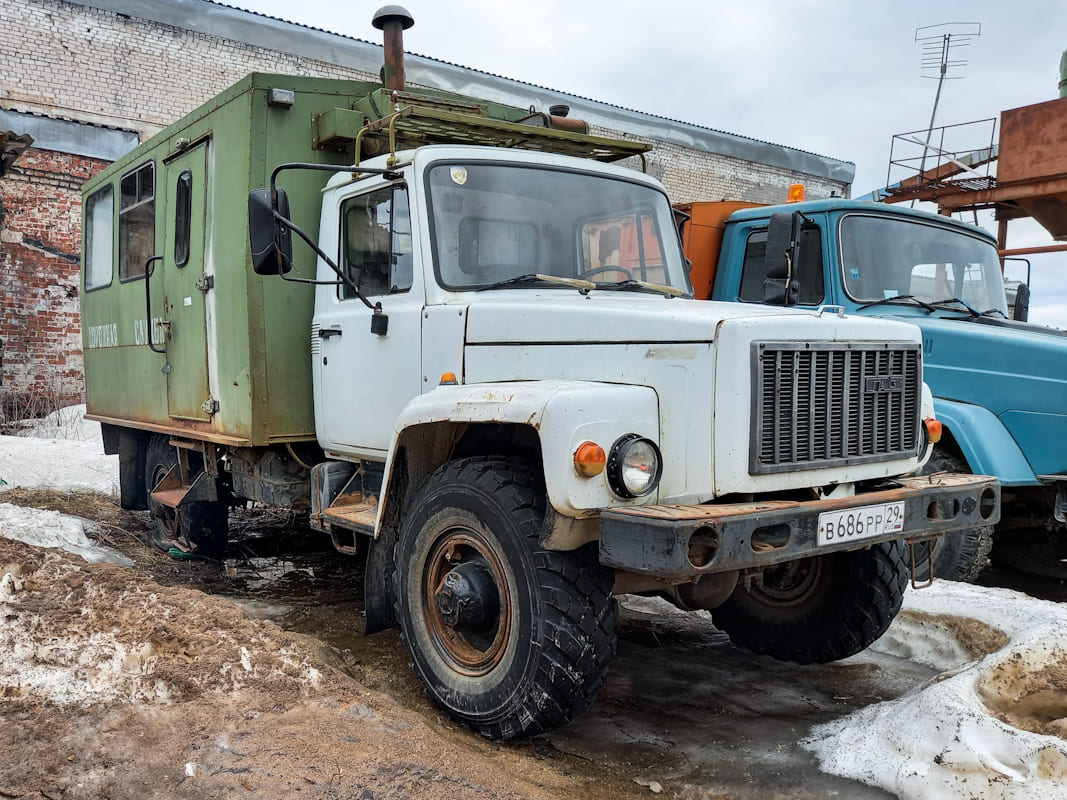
x=270, y=241
x=1021, y=308
x=783, y=235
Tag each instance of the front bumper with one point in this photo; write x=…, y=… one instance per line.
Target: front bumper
x=688, y=541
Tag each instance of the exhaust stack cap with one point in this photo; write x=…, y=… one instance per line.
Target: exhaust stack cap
x=387, y=14
x=559, y=110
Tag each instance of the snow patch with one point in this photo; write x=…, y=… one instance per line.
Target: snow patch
x=63, y=451
x=51, y=529
x=68, y=423
x=949, y=738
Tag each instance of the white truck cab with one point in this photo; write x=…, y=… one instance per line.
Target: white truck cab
x=531, y=406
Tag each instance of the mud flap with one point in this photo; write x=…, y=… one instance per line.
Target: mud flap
x=378, y=588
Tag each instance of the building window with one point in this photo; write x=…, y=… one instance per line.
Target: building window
x=376, y=243
x=183, y=206
x=137, y=221
x=99, y=238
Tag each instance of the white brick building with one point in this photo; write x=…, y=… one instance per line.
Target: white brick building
x=90, y=79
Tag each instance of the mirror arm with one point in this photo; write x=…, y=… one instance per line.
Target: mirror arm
x=344, y=279
x=390, y=174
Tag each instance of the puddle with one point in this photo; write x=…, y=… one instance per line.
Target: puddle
x=259, y=572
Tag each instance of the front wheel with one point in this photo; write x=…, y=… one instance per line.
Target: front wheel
x=957, y=555
x=818, y=609
x=510, y=639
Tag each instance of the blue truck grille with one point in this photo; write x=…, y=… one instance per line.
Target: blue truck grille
x=823, y=404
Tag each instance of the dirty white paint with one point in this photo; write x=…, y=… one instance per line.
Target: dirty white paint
x=100, y=336
x=141, y=328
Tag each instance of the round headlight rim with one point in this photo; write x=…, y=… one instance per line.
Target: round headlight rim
x=614, y=467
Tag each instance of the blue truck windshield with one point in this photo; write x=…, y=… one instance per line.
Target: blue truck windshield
x=529, y=227
x=884, y=257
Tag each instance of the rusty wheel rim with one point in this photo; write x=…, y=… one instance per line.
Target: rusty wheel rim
x=472, y=647
x=790, y=583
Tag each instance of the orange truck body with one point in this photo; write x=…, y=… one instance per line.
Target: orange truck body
x=702, y=239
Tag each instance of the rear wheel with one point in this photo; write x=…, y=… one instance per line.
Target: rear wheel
x=509, y=638
x=200, y=528
x=818, y=609
x=958, y=555
x=1036, y=551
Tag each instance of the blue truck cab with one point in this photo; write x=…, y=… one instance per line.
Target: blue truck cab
x=1000, y=385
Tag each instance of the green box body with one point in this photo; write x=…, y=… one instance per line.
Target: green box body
x=244, y=343
x=229, y=355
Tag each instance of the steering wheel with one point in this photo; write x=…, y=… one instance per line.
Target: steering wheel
x=606, y=268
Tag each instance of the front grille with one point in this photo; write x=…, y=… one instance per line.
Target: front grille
x=824, y=404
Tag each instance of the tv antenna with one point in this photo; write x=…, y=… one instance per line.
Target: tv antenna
x=938, y=43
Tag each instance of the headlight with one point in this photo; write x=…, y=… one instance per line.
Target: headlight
x=634, y=466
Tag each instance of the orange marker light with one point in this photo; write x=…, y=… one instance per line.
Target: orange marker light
x=796, y=193
x=590, y=459
x=448, y=379
x=933, y=429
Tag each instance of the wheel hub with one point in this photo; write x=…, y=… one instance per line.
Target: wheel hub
x=792, y=582
x=467, y=598
x=466, y=601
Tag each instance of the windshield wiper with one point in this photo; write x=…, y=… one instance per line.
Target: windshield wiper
x=634, y=285
x=895, y=300
x=537, y=277
x=941, y=304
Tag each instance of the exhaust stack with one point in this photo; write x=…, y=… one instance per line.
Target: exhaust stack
x=393, y=21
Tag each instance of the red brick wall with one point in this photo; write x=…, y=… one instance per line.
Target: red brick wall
x=40, y=246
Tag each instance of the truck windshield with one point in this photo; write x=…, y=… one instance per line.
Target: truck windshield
x=528, y=227
x=884, y=257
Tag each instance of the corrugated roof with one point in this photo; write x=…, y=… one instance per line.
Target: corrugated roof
x=262, y=30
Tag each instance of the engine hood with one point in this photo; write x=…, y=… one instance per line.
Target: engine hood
x=1001, y=365
x=697, y=357
x=530, y=317
x=1016, y=371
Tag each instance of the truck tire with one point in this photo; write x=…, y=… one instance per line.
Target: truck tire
x=509, y=639
x=959, y=555
x=1035, y=551
x=201, y=528
x=819, y=609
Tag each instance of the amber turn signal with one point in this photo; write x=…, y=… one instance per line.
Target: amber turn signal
x=589, y=459
x=933, y=430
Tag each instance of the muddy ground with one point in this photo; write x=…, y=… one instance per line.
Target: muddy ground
x=250, y=677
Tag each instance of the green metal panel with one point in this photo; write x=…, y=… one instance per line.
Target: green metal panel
x=245, y=343
x=253, y=331
x=184, y=285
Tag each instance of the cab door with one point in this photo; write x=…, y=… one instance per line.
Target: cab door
x=185, y=285
x=364, y=378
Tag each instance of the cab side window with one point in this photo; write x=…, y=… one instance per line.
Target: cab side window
x=809, y=267
x=376, y=243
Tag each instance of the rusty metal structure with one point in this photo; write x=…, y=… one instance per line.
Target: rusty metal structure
x=1029, y=180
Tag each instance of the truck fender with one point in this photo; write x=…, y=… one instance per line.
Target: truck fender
x=985, y=443
x=562, y=414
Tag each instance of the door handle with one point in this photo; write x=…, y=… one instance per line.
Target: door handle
x=326, y=333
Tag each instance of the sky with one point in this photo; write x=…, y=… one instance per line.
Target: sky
x=834, y=77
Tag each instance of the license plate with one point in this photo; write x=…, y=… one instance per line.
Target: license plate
x=860, y=523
